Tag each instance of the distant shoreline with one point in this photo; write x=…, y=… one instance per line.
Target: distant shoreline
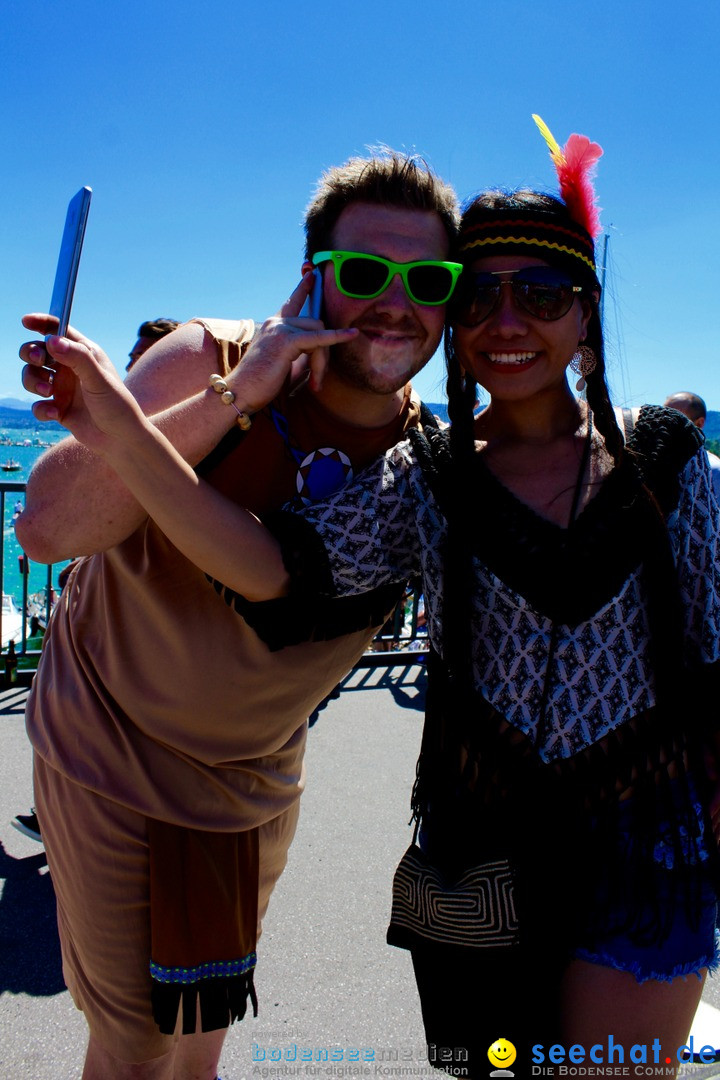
x=16, y=417
x=15, y=413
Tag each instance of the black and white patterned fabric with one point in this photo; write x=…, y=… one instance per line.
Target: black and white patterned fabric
x=695, y=535
x=386, y=526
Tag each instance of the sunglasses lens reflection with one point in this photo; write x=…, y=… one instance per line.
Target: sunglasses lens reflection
x=541, y=291
x=476, y=297
x=543, y=296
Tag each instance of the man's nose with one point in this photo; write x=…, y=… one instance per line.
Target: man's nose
x=394, y=296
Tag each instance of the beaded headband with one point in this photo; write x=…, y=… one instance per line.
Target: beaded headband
x=505, y=230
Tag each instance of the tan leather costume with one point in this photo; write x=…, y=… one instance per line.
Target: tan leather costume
x=154, y=699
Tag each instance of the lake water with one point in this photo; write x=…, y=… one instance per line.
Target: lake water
x=22, y=445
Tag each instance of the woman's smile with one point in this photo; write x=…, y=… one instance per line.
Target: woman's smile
x=511, y=359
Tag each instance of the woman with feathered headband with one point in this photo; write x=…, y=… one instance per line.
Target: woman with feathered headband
x=563, y=885
x=589, y=649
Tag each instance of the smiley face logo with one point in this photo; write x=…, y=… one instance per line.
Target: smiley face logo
x=502, y=1054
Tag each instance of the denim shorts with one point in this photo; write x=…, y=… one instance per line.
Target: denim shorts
x=687, y=949
x=690, y=945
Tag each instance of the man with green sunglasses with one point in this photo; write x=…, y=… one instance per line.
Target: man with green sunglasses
x=170, y=740
x=384, y=272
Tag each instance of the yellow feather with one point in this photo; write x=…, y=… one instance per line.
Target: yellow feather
x=555, y=151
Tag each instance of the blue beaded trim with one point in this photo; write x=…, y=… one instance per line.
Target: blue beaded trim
x=221, y=969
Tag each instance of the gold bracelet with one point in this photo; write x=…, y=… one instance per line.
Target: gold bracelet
x=228, y=398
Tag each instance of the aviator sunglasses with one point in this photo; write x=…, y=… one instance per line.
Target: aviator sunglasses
x=363, y=277
x=541, y=291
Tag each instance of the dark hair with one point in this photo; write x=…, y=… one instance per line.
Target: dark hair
x=385, y=179
x=461, y=389
x=157, y=328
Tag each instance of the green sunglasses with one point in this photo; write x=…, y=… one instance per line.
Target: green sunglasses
x=363, y=277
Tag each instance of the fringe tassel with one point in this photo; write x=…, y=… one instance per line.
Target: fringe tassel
x=222, y=1002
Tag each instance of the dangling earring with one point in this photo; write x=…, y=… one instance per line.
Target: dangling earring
x=583, y=363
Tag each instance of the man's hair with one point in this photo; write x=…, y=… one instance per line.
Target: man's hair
x=691, y=404
x=157, y=328
x=387, y=178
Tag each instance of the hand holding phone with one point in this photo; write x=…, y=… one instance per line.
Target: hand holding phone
x=37, y=360
x=69, y=258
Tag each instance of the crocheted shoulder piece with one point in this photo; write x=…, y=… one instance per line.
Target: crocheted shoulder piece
x=432, y=451
x=663, y=442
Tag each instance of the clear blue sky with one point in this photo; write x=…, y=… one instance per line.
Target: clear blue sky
x=202, y=128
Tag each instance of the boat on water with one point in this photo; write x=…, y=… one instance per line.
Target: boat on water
x=11, y=465
x=12, y=621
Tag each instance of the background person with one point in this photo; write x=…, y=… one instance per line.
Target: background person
x=199, y=765
x=693, y=406
x=148, y=333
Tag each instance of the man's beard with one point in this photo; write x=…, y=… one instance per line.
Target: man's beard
x=353, y=362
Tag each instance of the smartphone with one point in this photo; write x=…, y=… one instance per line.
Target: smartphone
x=313, y=305
x=69, y=258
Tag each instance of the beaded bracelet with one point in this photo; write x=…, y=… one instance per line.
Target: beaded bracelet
x=228, y=398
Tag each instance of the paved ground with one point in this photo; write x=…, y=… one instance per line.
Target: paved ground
x=326, y=978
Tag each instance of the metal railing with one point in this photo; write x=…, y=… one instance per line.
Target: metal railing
x=13, y=583
x=402, y=639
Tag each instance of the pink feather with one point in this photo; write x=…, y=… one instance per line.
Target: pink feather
x=575, y=173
